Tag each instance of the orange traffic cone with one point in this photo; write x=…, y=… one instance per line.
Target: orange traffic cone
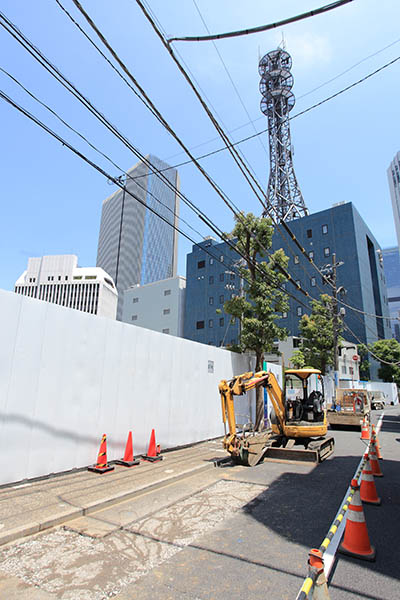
x=356, y=541
x=375, y=467
x=153, y=453
x=368, y=491
x=128, y=460
x=101, y=466
x=377, y=444
x=365, y=429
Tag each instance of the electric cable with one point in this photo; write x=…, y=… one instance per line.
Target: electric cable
x=288, y=277
x=230, y=34
x=223, y=196
x=229, y=76
x=370, y=352
x=321, y=85
x=116, y=181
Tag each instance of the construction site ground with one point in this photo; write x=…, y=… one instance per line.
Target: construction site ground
x=182, y=529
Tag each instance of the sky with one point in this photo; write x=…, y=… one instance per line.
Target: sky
x=51, y=199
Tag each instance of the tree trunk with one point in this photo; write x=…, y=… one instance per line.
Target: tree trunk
x=259, y=424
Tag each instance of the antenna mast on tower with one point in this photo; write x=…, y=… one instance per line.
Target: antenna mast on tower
x=284, y=198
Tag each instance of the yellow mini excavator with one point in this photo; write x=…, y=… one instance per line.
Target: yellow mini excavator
x=298, y=418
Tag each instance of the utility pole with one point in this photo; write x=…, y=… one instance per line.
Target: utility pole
x=335, y=315
x=331, y=277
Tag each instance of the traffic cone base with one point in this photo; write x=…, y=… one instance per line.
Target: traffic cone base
x=128, y=460
x=97, y=469
x=102, y=466
x=356, y=541
x=368, y=493
x=369, y=556
x=153, y=452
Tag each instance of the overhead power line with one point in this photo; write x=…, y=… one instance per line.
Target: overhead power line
x=118, y=183
x=230, y=34
x=159, y=33
x=234, y=209
x=299, y=114
x=385, y=362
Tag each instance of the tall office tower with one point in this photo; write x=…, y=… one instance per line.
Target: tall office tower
x=59, y=280
x=135, y=245
x=394, y=186
x=284, y=198
x=391, y=265
x=211, y=279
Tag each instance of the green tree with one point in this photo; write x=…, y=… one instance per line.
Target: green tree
x=364, y=362
x=260, y=302
x=316, y=330
x=388, y=350
x=298, y=361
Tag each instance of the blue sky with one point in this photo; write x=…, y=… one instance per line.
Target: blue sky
x=51, y=200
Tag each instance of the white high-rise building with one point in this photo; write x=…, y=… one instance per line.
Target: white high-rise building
x=58, y=279
x=394, y=185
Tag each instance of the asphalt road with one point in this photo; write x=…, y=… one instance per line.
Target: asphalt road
x=229, y=533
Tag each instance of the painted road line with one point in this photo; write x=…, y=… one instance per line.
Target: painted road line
x=330, y=553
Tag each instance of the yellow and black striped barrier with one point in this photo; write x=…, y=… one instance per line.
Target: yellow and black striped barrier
x=313, y=572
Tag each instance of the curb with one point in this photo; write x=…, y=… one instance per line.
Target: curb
x=92, y=507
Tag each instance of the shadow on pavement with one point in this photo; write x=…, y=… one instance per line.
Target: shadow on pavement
x=301, y=508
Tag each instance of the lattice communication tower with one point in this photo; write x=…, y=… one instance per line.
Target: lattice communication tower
x=284, y=198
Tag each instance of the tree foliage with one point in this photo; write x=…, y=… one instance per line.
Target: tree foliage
x=260, y=304
x=317, y=332
x=364, y=362
x=388, y=350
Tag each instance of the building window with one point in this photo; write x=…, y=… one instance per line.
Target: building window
x=134, y=317
x=59, y=278
x=200, y=325
x=221, y=299
x=313, y=282
x=166, y=311
x=221, y=321
x=232, y=275
x=296, y=260
x=211, y=279
x=211, y=323
x=327, y=251
x=90, y=276
x=211, y=261
x=221, y=258
x=66, y=278
x=221, y=276
x=284, y=315
x=201, y=264
x=211, y=300
x=311, y=254
x=75, y=277
x=134, y=300
x=167, y=292
x=309, y=233
x=299, y=311
x=324, y=229
x=165, y=330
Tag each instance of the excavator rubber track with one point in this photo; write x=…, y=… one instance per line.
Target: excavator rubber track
x=269, y=447
x=315, y=452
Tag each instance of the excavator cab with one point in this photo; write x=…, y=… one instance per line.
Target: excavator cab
x=304, y=396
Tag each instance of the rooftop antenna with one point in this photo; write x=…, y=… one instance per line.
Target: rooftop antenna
x=282, y=45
